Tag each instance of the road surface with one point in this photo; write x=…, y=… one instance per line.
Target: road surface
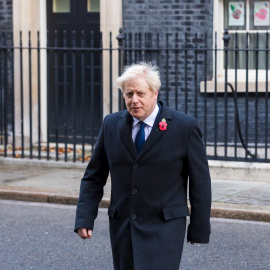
x=40, y=236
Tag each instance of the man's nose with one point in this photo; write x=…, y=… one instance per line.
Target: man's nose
x=134, y=98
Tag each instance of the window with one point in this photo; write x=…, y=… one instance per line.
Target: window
x=61, y=6
x=247, y=16
x=93, y=6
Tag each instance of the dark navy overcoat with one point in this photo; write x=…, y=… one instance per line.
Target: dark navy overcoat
x=148, y=206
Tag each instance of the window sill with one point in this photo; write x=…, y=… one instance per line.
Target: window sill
x=241, y=86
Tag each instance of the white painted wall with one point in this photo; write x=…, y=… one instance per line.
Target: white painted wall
x=29, y=15
x=110, y=21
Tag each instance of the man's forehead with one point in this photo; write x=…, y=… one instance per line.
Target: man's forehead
x=136, y=87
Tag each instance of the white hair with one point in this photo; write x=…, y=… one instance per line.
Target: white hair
x=149, y=71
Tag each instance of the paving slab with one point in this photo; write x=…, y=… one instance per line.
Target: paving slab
x=53, y=182
x=41, y=179
x=255, y=196
x=223, y=190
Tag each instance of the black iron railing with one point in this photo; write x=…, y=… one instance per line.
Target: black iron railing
x=57, y=115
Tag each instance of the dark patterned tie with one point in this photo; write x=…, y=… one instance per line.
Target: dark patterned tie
x=140, y=137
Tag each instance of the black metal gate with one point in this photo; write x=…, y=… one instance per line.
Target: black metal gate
x=233, y=116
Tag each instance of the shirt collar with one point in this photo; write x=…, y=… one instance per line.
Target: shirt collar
x=150, y=119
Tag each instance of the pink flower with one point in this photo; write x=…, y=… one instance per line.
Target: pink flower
x=163, y=125
x=236, y=14
x=261, y=14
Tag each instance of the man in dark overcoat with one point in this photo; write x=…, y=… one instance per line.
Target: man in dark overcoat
x=152, y=152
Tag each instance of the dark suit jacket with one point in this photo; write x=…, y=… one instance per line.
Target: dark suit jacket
x=148, y=206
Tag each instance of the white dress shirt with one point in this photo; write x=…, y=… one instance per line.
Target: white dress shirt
x=149, y=121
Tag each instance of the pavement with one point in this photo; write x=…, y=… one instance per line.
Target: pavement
x=59, y=182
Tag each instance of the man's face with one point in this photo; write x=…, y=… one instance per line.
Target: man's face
x=140, y=100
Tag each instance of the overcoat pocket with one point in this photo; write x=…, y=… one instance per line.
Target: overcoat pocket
x=112, y=211
x=176, y=211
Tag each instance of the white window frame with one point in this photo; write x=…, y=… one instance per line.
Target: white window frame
x=218, y=26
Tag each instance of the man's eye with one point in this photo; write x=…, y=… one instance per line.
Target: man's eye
x=141, y=94
x=129, y=94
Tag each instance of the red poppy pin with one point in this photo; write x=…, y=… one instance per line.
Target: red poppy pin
x=163, y=124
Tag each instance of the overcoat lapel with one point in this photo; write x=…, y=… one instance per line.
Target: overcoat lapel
x=125, y=133
x=156, y=133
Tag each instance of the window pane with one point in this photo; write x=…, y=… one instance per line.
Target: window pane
x=93, y=6
x=259, y=15
x=261, y=54
x=252, y=55
x=235, y=15
x=241, y=55
x=60, y=6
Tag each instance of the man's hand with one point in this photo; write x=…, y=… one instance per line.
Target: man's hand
x=84, y=233
x=192, y=243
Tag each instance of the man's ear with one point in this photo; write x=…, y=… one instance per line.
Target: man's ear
x=156, y=93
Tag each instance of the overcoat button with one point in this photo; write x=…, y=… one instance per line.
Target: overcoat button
x=136, y=166
x=133, y=217
x=134, y=191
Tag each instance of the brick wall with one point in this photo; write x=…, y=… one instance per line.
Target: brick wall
x=168, y=16
x=187, y=18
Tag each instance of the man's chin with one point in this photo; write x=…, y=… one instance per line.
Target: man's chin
x=136, y=115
